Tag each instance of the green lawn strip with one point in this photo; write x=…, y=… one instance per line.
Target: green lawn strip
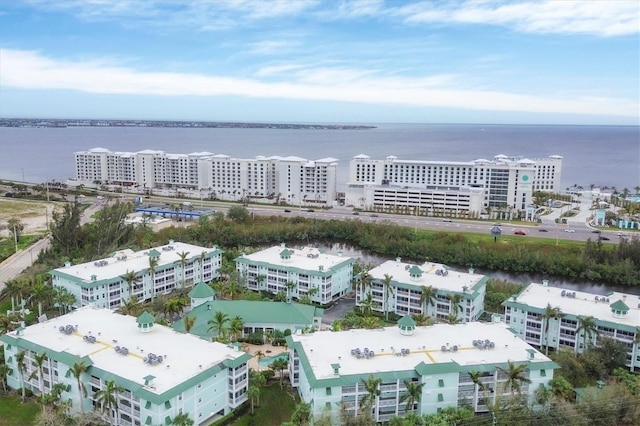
x=15, y=413
x=276, y=407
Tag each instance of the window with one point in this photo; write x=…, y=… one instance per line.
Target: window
x=328, y=390
x=327, y=406
x=440, y=397
x=441, y=383
x=543, y=373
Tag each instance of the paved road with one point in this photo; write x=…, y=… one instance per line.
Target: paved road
x=21, y=260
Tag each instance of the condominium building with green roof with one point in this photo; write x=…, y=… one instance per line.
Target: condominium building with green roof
x=451, y=366
x=297, y=273
x=161, y=373
x=543, y=314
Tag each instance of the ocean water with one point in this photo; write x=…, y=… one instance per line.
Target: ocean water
x=598, y=155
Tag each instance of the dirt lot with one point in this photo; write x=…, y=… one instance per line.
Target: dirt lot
x=32, y=214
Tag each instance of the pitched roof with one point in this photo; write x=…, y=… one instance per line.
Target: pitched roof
x=251, y=312
x=619, y=305
x=201, y=291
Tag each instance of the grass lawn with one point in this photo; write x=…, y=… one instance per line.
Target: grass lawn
x=15, y=413
x=276, y=407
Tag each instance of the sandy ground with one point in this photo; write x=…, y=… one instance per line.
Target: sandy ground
x=31, y=214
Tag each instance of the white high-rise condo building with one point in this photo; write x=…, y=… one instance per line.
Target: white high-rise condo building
x=584, y=319
x=109, y=282
x=160, y=373
x=273, y=179
x=445, y=188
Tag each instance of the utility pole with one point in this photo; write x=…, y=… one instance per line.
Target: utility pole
x=15, y=237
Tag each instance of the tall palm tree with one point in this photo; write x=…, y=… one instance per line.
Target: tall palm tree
x=372, y=386
x=203, y=256
x=290, y=286
x=280, y=364
x=388, y=291
x=77, y=370
x=454, y=300
x=217, y=325
x=516, y=376
x=39, y=359
x=259, y=355
x=413, y=395
x=253, y=393
x=153, y=264
x=427, y=298
x=365, y=281
x=22, y=369
x=367, y=304
x=183, y=263
x=130, y=306
x=130, y=278
x=549, y=314
x=236, y=326
x=107, y=397
x=479, y=385
x=589, y=328
x=189, y=322
x=5, y=371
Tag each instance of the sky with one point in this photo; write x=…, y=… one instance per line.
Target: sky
x=311, y=61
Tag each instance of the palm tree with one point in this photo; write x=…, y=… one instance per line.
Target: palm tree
x=64, y=299
x=203, y=256
x=22, y=368
x=370, y=322
x=516, y=376
x=302, y=414
x=588, y=326
x=130, y=307
x=388, y=291
x=290, y=286
x=183, y=262
x=413, y=395
x=174, y=306
x=368, y=304
x=365, y=281
x=77, y=370
x=232, y=289
x=427, y=297
x=189, y=322
x=372, y=386
x=253, y=393
x=479, y=385
x=217, y=325
x=39, y=359
x=153, y=264
x=130, y=278
x=5, y=371
x=422, y=319
x=182, y=419
x=236, y=326
x=259, y=354
x=453, y=319
x=454, y=300
x=280, y=364
x=108, y=398
x=549, y=314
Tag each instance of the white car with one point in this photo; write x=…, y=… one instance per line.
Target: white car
x=571, y=231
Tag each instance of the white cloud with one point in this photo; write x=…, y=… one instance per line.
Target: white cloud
x=601, y=18
x=29, y=70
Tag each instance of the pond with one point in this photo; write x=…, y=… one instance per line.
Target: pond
x=346, y=250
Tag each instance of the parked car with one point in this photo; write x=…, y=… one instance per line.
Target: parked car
x=519, y=232
x=446, y=220
x=543, y=230
x=604, y=238
x=356, y=213
x=287, y=211
x=570, y=231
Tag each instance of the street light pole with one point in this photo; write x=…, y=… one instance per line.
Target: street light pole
x=15, y=237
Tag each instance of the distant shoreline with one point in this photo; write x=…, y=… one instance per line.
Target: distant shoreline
x=63, y=123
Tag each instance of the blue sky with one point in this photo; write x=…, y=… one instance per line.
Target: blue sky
x=532, y=62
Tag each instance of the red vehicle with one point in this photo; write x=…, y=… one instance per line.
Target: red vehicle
x=519, y=232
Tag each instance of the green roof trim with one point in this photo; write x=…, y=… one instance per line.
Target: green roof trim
x=154, y=253
x=233, y=363
x=201, y=291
